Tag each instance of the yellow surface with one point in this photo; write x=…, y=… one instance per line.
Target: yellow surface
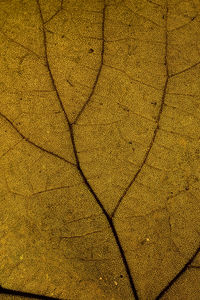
x=99, y=123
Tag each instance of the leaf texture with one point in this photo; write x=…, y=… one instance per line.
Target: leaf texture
x=100, y=149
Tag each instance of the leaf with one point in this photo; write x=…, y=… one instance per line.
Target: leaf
x=100, y=139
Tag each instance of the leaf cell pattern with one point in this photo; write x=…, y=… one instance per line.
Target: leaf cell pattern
x=99, y=149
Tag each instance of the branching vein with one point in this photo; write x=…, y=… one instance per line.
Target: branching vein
x=85, y=180
x=32, y=143
x=100, y=67
x=179, y=274
x=157, y=126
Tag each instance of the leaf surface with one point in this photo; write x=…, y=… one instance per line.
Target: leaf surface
x=100, y=149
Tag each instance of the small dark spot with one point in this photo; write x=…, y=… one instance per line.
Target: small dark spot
x=91, y=50
x=163, y=16
x=125, y=108
x=121, y=276
x=101, y=103
x=154, y=103
x=171, y=193
x=186, y=188
x=62, y=36
x=130, y=142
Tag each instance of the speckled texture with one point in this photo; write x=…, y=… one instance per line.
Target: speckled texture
x=100, y=149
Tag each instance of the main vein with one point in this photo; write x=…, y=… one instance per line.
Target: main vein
x=70, y=125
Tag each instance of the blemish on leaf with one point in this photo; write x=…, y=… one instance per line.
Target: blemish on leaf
x=69, y=82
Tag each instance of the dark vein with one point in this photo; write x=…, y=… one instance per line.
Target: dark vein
x=135, y=39
x=157, y=126
x=80, y=236
x=131, y=78
x=178, y=134
x=48, y=66
x=147, y=19
x=100, y=67
x=182, y=110
x=89, y=259
x=32, y=143
x=61, y=4
x=154, y=3
x=24, y=294
x=17, y=43
x=86, y=182
x=179, y=274
x=10, y=149
x=194, y=267
x=185, y=95
x=54, y=189
x=94, y=216
x=110, y=222
x=184, y=25
x=55, y=14
x=185, y=70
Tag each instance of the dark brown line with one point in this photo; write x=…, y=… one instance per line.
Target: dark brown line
x=110, y=222
x=24, y=47
x=112, y=227
x=4, y=291
x=156, y=129
x=100, y=67
x=179, y=274
x=32, y=143
x=48, y=66
x=184, y=70
x=52, y=16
